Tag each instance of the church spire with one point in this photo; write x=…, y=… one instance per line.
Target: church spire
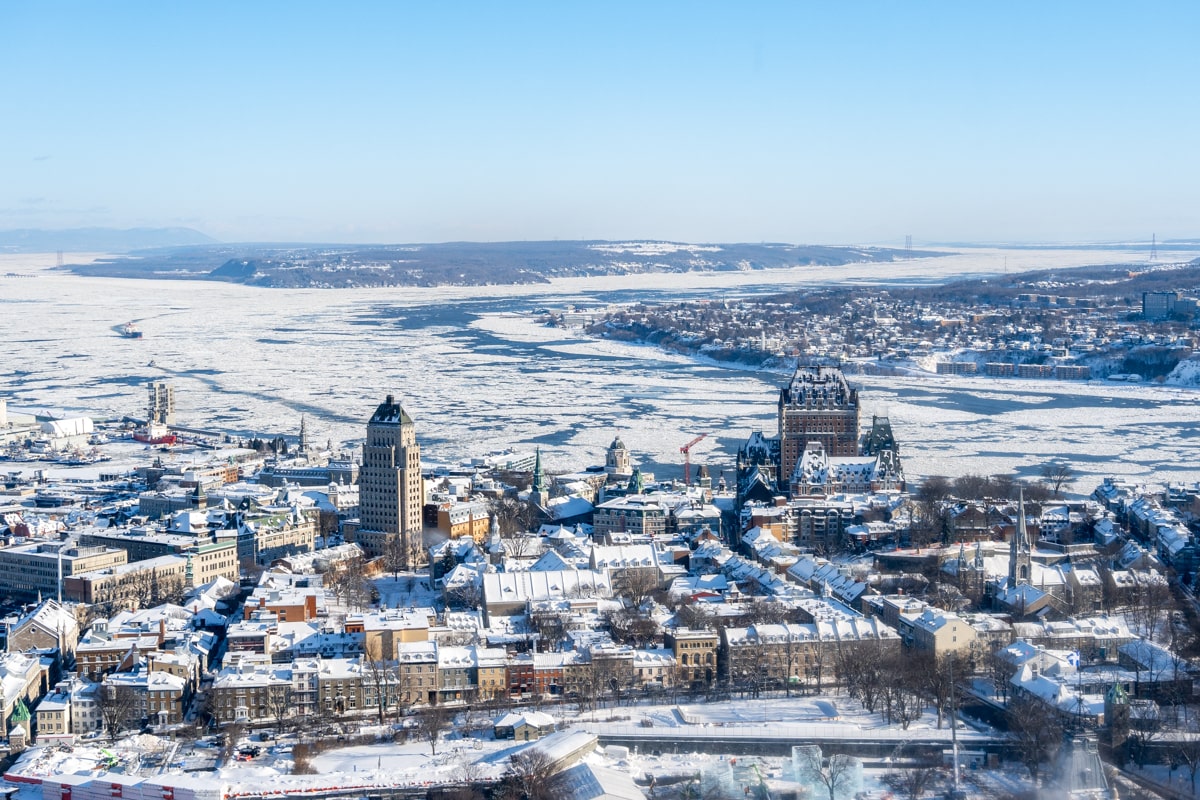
x=636, y=485
x=538, y=494
x=1019, y=549
x=539, y=477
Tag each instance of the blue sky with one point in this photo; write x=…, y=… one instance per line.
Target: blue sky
x=800, y=122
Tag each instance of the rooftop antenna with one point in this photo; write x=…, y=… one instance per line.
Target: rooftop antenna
x=1154, y=247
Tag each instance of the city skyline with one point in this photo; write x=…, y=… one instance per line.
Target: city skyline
x=384, y=123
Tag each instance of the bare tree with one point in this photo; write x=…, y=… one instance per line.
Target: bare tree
x=1151, y=603
x=837, y=773
x=938, y=679
x=550, y=625
x=395, y=554
x=167, y=589
x=521, y=545
x=119, y=707
x=636, y=585
x=630, y=627
x=465, y=595
x=862, y=669
x=1186, y=751
x=348, y=579
x=1037, y=732
x=531, y=775
x=1057, y=476
x=513, y=515
x=380, y=674
x=233, y=733
x=279, y=701
x=819, y=656
x=766, y=612
x=694, y=616
x=947, y=597
x=251, y=570
x=610, y=676
x=137, y=589
x=302, y=754
x=432, y=723
x=912, y=781
x=747, y=667
x=1000, y=671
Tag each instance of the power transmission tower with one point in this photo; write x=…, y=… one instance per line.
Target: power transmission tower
x=1154, y=247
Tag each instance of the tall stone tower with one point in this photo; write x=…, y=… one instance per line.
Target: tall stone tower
x=391, y=491
x=817, y=405
x=617, y=461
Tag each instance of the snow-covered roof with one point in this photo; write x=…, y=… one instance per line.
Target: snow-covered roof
x=590, y=782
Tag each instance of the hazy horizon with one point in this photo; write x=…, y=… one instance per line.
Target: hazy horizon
x=796, y=123
x=1187, y=241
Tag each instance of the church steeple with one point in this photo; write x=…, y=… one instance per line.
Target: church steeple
x=636, y=486
x=199, y=498
x=539, y=477
x=1019, y=549
x=538, y=494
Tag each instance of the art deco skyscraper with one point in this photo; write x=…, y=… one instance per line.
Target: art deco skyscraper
x=390, y=487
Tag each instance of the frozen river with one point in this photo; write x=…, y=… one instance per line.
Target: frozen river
x=477, y=373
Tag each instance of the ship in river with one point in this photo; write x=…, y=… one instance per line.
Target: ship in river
x=155, y=433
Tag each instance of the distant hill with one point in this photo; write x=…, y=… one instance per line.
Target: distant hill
x=465, y=263
x=97, y=240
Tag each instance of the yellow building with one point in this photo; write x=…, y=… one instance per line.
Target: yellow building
x=938, y=632
x=695, y=654
x=464, y=519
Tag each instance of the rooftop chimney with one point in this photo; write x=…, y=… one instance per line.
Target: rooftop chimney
x=391, y=400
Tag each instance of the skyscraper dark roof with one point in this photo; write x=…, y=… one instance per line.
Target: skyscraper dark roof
x=390, y=413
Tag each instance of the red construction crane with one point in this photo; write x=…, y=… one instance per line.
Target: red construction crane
x=687, y=459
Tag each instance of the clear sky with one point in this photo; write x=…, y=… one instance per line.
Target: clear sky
x=821, y=122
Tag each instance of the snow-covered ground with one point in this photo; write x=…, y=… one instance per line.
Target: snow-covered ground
x=478, y=377
x=461, y=754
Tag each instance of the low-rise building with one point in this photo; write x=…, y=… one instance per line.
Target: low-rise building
x=29, y=571
x=417, y=666
x=937, y=632
x=252, y=690
x=695, y=653
x=133, y=585
x=766, y=656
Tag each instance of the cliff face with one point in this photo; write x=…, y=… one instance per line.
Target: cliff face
x=1186, y=373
